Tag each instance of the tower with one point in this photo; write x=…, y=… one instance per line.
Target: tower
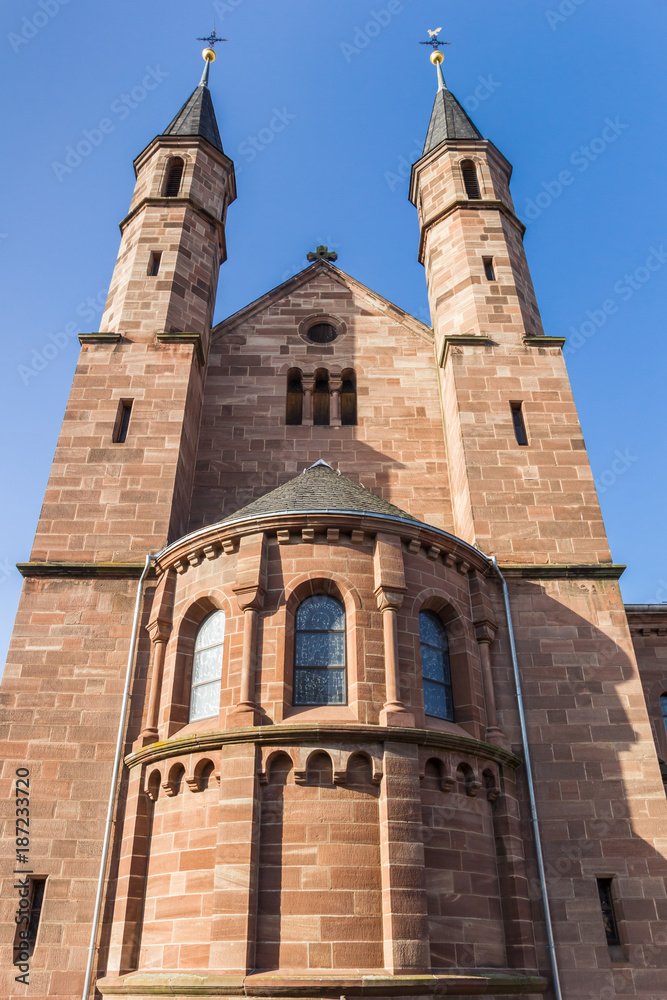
x=374, y=549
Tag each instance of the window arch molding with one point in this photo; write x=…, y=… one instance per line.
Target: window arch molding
x=179, y=662
x=314, y=319
x=302, y=587
x=466, y=678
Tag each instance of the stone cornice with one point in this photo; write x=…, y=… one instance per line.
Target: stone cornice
x=481, y=205
x=544, y=341
x=566, y=571
x=461, y=339
x=207, y=542
x=99, y=338
x=184, y=338
x=647, y=619
x=287, y=734
x=459, y=983
x=81, y=570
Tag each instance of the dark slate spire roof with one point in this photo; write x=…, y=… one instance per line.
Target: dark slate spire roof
x=197, y=117
x=319, y=488
x=448, y=119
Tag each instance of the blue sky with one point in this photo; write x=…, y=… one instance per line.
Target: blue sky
x=323, y=106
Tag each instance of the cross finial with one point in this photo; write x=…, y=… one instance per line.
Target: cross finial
x=322, y=253
x=433, y=39
x=213, y=39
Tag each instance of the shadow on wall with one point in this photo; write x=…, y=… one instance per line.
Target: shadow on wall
x=601, y=803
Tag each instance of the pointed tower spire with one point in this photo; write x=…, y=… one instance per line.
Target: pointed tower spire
x=197, y=116
x=448, y=118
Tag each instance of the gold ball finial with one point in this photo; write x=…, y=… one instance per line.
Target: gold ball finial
x=208, y=55
x=437, y=58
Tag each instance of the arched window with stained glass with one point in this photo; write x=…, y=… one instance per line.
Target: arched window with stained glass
x=663, y=706
x=319, y=653
x=207, y=668
x=436, y=672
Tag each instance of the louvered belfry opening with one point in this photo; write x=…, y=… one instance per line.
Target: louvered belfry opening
x=174, y=177
x=469, y=171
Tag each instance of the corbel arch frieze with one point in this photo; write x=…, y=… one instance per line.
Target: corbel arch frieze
x=300, y=755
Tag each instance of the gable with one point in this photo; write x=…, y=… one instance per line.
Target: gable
x=321, y=285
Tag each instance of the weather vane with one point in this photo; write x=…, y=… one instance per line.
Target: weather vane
x=436, y=56
x=213, y=39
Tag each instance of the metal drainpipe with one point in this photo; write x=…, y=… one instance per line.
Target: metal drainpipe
x=531, y=786
x=114, y=779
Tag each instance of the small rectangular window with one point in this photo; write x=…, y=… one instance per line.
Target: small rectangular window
x=489, y=269
x=154, y=263
x=122, y=421
x=26, y=933
x=519, y=423
x=609, y=919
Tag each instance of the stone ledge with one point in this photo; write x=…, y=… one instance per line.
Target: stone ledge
x=572, y=571
x=80, y=570
x=99, y=338
x=458, y=983
x=463, y=339
x=544, y=341
x=316, y=732
x=184, y=338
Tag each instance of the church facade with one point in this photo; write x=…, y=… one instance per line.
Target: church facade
x=386, y=726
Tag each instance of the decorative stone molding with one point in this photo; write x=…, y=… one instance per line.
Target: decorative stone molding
x=321, y=733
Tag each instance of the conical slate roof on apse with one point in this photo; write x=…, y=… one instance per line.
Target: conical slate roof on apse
x=448, y=119
x=319, y=488
x=197, y=117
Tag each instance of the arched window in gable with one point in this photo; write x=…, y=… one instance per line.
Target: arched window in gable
x=348, y=398
x=436, y=672
x=470, y=180
x=319, y=652
x=172, y=184
x=294, y=412
x=321, y=398
x=207, y=668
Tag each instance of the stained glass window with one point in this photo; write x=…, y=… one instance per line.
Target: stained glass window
x=319, y=654
x=436, y=674
x=663, y=706
x=207, y=667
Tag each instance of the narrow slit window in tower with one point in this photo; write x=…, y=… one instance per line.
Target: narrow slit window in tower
x=469, y=171
x=609, y=919
x=489, y=269
x=519, y=423
x=122, y=421
x=321, y=398
x=154, y=263
x=294, y=411
x=348, y=398
x=174, y=177
x=24, y=946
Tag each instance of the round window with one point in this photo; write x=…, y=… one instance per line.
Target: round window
x=322, y=333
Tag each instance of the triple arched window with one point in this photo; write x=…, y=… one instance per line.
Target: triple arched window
x=321, y=399
x=319, y=652
x=207, y=668
x=436, y=670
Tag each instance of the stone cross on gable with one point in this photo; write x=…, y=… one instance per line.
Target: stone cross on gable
x=322, y=253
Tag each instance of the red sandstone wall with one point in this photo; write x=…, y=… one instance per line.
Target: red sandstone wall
x=397, y=449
